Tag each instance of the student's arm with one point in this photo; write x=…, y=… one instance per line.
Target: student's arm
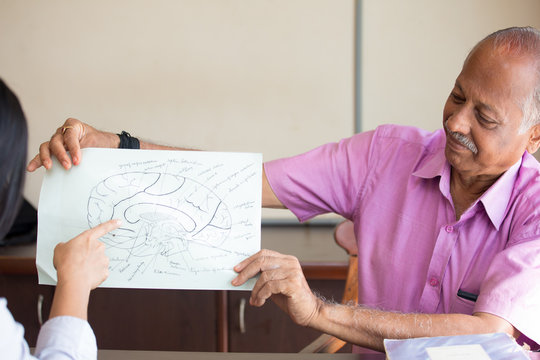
x=281, y=279
x=81, y=265
x=74, y=135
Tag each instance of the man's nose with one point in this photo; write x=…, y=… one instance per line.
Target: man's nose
x=460, y=120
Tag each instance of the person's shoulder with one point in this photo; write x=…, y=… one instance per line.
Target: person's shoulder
x=410, y=135
x=526, y=198
x=528, y=181
x=530, y=165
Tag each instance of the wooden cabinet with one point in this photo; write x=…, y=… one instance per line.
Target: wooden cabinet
x=137, y=319
x=130, y=319
x=26, y=301
x=171, y=320
x=268, y=328
x=175, y=320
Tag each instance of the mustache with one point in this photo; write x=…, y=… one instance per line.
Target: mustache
x=462, y=139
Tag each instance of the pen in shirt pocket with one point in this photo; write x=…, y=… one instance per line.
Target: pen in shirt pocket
x=467, y=295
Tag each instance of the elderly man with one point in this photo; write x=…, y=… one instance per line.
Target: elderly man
x=447, y=223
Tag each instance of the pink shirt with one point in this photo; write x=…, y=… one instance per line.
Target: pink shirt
x=394, y=183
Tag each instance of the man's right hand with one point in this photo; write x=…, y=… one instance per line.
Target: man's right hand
x=75, y=135
x=72, y=136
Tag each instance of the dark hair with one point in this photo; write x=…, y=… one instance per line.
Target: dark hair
x=13, y=145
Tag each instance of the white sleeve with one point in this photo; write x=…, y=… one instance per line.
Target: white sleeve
x=12, y=343
x=62, y=337
x=66, y=337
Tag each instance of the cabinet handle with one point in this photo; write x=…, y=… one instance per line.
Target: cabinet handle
x=40, y=309
x=241, y=316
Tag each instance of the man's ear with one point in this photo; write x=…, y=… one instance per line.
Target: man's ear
x=534, y=139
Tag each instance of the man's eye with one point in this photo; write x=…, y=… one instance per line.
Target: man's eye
x=485, y=121
x=457, y=99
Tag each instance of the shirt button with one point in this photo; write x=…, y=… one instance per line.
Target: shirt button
x=433, y=282
x=449, y=228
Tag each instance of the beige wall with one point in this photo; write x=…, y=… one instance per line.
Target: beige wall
x=232, y=75
x=275, y=77
x=413, y=51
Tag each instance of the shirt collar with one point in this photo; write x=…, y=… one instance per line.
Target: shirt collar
x=495, y=199
x=435, y=165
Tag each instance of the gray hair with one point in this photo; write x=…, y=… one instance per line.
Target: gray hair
x=521, y=41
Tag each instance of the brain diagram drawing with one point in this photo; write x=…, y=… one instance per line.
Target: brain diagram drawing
x=167, y=220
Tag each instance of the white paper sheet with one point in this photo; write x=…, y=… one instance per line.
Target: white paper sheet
x=458, y=352
x=187, y=216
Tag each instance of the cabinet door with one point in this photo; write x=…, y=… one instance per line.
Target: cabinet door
x=143, y=319
x=27, y=302
x=268, y=329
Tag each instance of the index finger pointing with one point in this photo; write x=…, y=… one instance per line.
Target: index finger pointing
x=104, y=228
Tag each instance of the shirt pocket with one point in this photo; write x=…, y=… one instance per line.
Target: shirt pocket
x=462, y=306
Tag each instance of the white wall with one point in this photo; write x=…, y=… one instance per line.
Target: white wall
x=413, y=51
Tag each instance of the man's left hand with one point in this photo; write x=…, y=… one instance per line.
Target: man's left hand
x=281, y=278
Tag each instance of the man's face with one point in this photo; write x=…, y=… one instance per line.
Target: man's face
x=484, y=110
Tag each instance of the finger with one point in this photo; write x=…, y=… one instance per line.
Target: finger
x=278, y=274
x=270, y=288
x=45, y=155
x=34, y=164
x=72, y=136
x=103, y=275
x=100, y=246
x=262, y=261
x=241, y=265
x=262, y=253
x=248, y=269
x=57, y=248
x=57, y=148
x=102, y=229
